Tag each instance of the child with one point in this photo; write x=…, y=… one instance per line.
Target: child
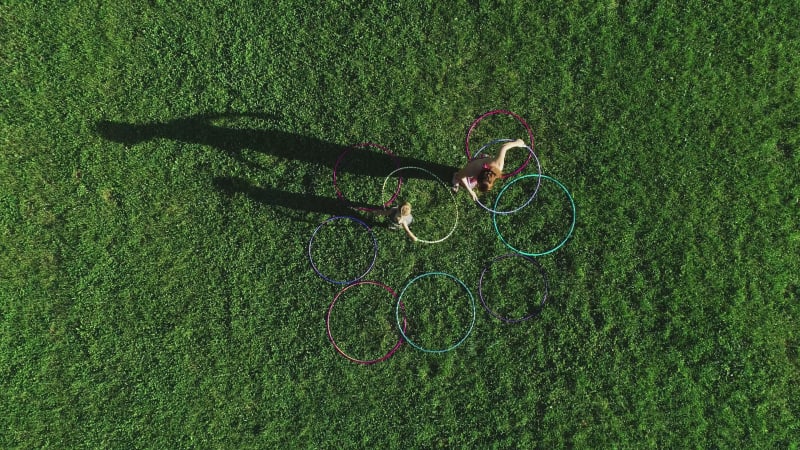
x=400, y=218
x=482, y=172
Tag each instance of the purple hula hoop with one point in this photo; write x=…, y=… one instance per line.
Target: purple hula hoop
x=338, y=191
x=333, y=342
x=541, y=303
x=374, y=251
x=509, y=113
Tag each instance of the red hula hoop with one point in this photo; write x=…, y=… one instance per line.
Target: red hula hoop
x=339, y=193
x=333, y=342
x=509, y=113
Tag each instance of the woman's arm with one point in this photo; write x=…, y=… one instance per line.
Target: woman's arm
x=471, y=170
x=465, y=182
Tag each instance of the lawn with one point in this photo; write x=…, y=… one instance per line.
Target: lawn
x=163, y=166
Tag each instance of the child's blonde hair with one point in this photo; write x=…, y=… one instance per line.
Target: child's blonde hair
x=405, y=210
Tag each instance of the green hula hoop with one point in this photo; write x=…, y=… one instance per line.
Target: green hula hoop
x=571, y=227
x=400, y=301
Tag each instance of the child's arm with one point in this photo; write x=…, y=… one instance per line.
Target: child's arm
x=384, y=212
x=409, y=232
x=499, y=162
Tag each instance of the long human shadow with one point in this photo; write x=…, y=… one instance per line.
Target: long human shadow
x=201, y=129
x=301, y=202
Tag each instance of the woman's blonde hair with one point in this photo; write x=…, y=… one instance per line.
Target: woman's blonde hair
x=486, y=178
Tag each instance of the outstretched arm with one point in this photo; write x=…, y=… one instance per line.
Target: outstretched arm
x=409, y=232
x=383, y=212
x=465, y=182
x=500, y=160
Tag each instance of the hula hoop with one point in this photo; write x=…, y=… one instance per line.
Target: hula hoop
x=330, y=335
x=544, y=278
x=455, y=204
x=571, y=227
x=339, y=193
x=535, y=191
x=509, y=113
x=374, y=250
x=400, y=300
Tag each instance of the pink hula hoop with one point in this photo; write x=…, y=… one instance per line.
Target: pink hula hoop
x=333, y=342
x=508, y=113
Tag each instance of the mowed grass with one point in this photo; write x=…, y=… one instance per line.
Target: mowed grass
x=164, y=165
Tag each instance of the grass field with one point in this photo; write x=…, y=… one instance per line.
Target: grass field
x=164, y=164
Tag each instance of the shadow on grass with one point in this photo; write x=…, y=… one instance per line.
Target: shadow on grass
x=301, y=202
x=202, y=129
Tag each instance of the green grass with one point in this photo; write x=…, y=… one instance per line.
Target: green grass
x=162, y=167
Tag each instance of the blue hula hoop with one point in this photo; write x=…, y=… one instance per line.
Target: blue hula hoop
x=374, y=250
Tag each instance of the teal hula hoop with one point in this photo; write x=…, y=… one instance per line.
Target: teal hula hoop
x=571, y=227
x=400, y=301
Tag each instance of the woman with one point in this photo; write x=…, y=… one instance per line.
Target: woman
x=482, y=172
